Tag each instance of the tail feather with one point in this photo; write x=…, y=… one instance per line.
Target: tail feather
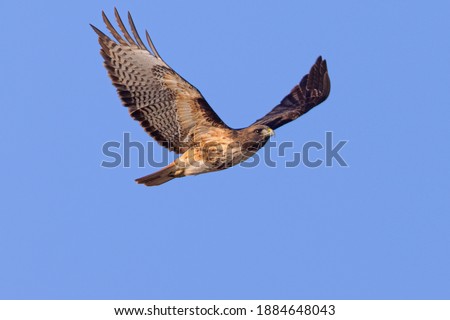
x=159, y=177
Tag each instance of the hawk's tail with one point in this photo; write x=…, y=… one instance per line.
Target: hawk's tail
x=159, y=177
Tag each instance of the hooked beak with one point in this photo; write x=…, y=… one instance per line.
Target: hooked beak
x=270, y=132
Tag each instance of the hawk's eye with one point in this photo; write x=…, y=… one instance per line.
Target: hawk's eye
x=258, y=130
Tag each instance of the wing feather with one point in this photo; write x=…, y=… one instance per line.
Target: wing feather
x=124, y=29
x=312, y=90
x=167, y=106
x=111, y=29
x=150, y=43
x=135, y=33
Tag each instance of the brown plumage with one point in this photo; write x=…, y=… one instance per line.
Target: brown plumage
x=177, y=116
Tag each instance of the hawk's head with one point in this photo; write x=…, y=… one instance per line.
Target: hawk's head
x=259, y=132
x=255, y=136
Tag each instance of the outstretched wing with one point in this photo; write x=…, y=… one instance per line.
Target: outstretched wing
x=165, y=104
x=312, y=90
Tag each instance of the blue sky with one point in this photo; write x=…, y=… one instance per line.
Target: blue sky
x=377, y=229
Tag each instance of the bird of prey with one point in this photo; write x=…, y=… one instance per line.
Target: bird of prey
x=176, y=115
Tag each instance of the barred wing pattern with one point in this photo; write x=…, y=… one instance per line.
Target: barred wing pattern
x=312, y=90
x=166, y=105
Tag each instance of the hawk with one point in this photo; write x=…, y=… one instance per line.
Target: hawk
x=177, y=116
